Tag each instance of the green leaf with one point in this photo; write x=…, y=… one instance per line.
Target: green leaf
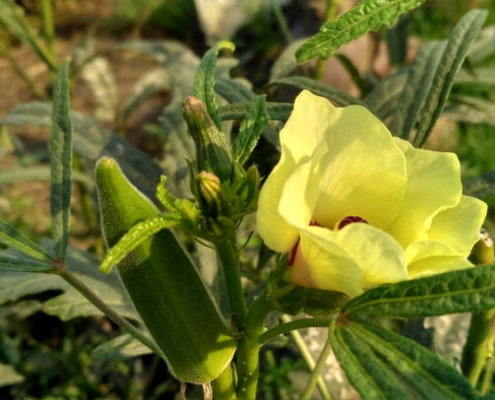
x=61, y=161
x=467, y=290
x=382, y=100
x=481, y=187
x=13, y=18
x=39, y=173
x=458, y=45
x=234, y=91
x=11, y=237
x=139, y=233
x=424, y=371
x=120, y=348
x=9, y=376
x=369, y=375
x=92, y=141
x=369, y=15
x=416, y=88
x=251, y=129
x=470, y=109
x=339, y=96
x=238, y=111
x=481, y=76
x=12, y=263
x=353, y=73
x=69, y=304
x=484, y=46
x=204, y=82
x=286, y=62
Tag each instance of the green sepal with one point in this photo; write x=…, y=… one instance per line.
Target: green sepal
x=293, y=299
x=164, y=285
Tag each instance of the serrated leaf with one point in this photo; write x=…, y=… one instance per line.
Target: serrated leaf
x=61, y=161
x=369, y=15
x=480, y=187
x=251, y=129
x=13, y=18
x=12, y=263
x=238, y=111
x=134, y=237
x=458, y=45
x=70, y=303
x=369, y=375
x=424, y=371
x=9, y=376
x=382, y=100
x=467, y=290
x=92, y=141
x=336, y=95
x=204, y=82
x=120, y=348
x=416, y=88
x=11, y=237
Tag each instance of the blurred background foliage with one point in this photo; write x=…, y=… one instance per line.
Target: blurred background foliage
x=134, y=89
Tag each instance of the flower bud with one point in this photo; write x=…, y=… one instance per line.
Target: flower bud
x=212, y=153
x=210, y=191
x=483, y=250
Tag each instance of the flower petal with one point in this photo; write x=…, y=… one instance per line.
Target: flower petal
x=452, y=235
x=433, y=185
x=306, y=128
x=459, y=226
x=276, y=232
x=364, y=172
x=355, y=257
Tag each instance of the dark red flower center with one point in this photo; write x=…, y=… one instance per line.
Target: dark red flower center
x=351, y=219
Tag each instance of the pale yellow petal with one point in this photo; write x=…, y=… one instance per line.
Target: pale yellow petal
x=355, y=257
x=276, y=232
x=433, y=184
x=364, y=172
x=459, y=226
x=306, y=128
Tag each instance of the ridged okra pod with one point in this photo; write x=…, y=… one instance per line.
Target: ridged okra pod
x=164, y=285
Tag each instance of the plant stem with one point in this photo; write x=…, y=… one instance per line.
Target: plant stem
x=281, y=21
x=108, y=311
x=224, y=386
x=330, y=15
x=248, y=349
x=317, y=370
x=48, y=27
x=293, y=325
x=475, y=352
x=310, y=362
x=488, y=376
x=228, y=253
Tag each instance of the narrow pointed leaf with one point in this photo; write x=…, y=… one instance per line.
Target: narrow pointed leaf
x=416, y=89
x=204, y=82
x=340, y=97
x=11, y=237
x=134, y=237
x=460, y=291
x=238, y=111
x=481, y=187
x=250, y=130
x=454, y=54
x=424, y=371
x=382, y=100
x=233, y=90
x=61, y=161
x=12, y=263
x=369, y=15
x=369, y=375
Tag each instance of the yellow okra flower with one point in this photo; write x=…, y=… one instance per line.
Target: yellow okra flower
x=355, y=207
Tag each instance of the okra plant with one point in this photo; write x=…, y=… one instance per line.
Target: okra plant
x=355, y=224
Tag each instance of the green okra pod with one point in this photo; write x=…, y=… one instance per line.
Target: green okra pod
x=164, y=285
